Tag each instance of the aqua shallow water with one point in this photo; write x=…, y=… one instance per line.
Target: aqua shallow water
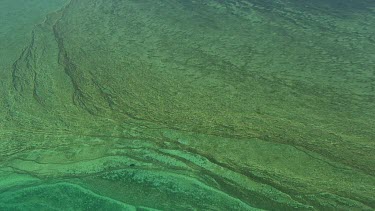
x=186, y=105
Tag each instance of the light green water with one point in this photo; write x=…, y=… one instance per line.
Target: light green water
x=187, y=105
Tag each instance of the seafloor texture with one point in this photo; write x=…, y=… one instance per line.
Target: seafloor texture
x=185, y=105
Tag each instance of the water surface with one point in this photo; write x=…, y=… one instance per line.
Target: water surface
x=187, y=105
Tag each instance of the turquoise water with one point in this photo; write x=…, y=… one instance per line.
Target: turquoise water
x=187, y=105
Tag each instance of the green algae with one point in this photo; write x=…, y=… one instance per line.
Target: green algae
x=187, y=105
x=59, y=196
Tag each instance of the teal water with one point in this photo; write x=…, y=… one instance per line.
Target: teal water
x=187, y=105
